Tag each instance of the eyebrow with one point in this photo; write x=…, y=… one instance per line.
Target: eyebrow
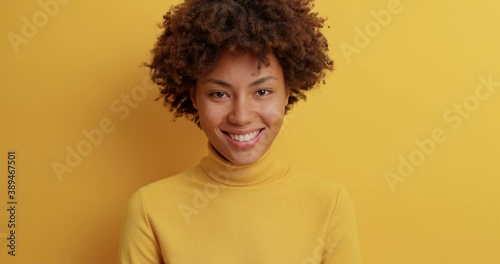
x=254, y=83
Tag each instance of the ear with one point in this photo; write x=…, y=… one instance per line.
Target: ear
x=287, y=95
x=192, y=96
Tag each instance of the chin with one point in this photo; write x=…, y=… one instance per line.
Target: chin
x=244, y=161
x=244, y=158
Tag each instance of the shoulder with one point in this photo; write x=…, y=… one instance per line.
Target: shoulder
x=162, y=190
x=324, y=193
x=165, y=183
x=319, y=188
x=315, y=182
x=328, y=192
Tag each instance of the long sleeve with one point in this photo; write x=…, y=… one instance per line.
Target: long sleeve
x=138, y=244
x=342, y=245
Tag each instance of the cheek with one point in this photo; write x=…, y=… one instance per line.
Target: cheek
x=274, y=115
x=209, y=117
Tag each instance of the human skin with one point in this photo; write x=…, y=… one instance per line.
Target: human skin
x=241, y=108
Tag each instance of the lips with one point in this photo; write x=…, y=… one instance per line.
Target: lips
x=243, y=137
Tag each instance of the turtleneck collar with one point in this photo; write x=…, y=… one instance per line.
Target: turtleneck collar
x=266, y=169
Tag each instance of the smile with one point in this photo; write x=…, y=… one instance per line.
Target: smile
x=244, y=137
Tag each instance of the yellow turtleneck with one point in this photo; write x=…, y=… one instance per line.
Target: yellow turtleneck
x=217, y=213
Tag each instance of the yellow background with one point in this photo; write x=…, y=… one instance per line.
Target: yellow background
x=394, y=91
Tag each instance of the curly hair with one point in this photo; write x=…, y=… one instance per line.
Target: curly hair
x=195, y=32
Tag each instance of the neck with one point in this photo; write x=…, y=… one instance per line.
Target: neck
x=266, y=169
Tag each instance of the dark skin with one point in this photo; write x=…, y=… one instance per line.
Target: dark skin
x=197, y=31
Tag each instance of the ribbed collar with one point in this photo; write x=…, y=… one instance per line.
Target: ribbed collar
x=266, y=169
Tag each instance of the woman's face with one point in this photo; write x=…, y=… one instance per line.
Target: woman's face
x=241, y=109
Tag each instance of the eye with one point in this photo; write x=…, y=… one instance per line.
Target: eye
x=263, y=92
x=218, y=94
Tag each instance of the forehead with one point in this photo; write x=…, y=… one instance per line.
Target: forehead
x=242, y=66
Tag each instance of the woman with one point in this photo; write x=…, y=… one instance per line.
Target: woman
x=235, y=67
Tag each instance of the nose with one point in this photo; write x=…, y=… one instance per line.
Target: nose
x=242, y=112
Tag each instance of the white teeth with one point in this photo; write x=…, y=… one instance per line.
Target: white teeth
x=243, y=138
